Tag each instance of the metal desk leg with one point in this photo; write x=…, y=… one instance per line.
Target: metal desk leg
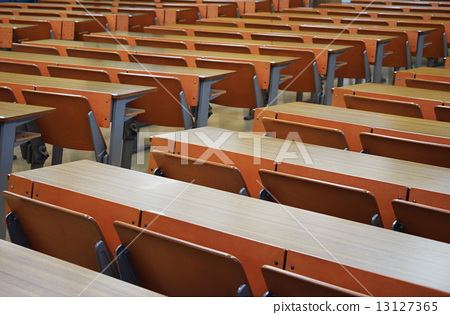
x=117, y=123
x=378, y=62
x=204, y=92
x=420, y=47
x=329, y=83
x=274, y=82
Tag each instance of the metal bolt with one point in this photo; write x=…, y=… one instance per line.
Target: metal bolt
x=26, y=192
x=132, y=222
x=37, y=195
x=12, y=187
x=276, y=262
x=292, y=267
x=145, y=225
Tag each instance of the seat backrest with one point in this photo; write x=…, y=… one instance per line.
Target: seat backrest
x=57, y=128
x=400, y=16
x=421, y=220
x=406, y=149
x=35, y=49
x=217, y=23
x=319, y=196
x=312, y=134
x=19, y=67
x=427, y=84
x=7, y=95
x=56, y=231
x=244, y=77
x=356, y=58
x=234, y=35
x=164, y=31
x=365, y=22
x=78, y=73
x=199, y=172
x=43, y=29
x=166, y=106
x=442, y=113
x=160, y=43
x=93, y=54
x=282, y=283
x=174, y=267
x=262, y=17
x=228, y=48
x=323, y=29
x=277, y=38
x=304, y=70
x=105, y=39
x=36, y=13
x=393, y=107
x=269, y=26
x=159, y=60
x=319, y=19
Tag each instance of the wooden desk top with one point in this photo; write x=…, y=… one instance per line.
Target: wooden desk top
x=15, y=26
x=403, y=173
x=199, y=39
x=400, y=91
x=360, y=117
x=202, y=74
x=50, y=18
x=26, y=272
x=394, y=254
x=429, y=70
x=116, y=91
x=275, y=60
x=14, y=111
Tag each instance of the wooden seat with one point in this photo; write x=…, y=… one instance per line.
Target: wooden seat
x=427, y=84
x=277, y=38
x=164, y=31
x=406, y=149
x=282, y=283
x=59, y=232
x=93, y=54
x=357, y=64
x=174, y=267
x=199, y=172
x=442, y=113
x=319, y=196
x=160, y=43
x=105, y=39
x=78, y=73
x=205, y=33
x=7, y=95
x=159, y=60
x=392, y=107
x=268, y=26
x=19, y=67
x=421, y=220
x=35, y=49
x=166, y=106
x=397, y=53
x=228, y=48
x=313, y=134
x=304, y=72
x=71, y=126
x=323, y=29
x=238, y=86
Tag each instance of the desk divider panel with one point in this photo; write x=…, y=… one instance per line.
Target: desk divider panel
x=104, y=212
x=359, y=280
x=20, y=185
x=252, y=254
x=161, y=144
x=430, y=198
x=351, y=131
x=100, y=102
x=245, y=163
x=17, y=89
x=258, y=126
x=401, y=76
x=411, y=135
x=384, y=192
x=338, y=96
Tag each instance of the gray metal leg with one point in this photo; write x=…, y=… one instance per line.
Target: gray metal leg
x=420, y=47
x=274, y=82
x=204, y=91
x=57, y=155
x=329, y=82
x=378, y=62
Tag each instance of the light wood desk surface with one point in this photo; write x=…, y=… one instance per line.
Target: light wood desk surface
x=423, y=73
x=398, y=255
x=13, y=111
x=438, y=129
x=27, y=273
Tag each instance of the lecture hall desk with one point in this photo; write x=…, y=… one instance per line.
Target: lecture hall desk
x=426, y=99
x=352, y=122
x=196, y=82
x=423, y=73
x=374, y=43
x=27, y=273
x=325, y=54
x=416, y=35
x=267, y=67
x=11, y=116
x=257, y=232
x=108, y=100
x=386, y=178
x=12, y=33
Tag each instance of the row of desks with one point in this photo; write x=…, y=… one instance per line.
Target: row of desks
x=255, y=231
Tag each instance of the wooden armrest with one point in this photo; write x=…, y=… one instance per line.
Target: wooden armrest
x=25, y=136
